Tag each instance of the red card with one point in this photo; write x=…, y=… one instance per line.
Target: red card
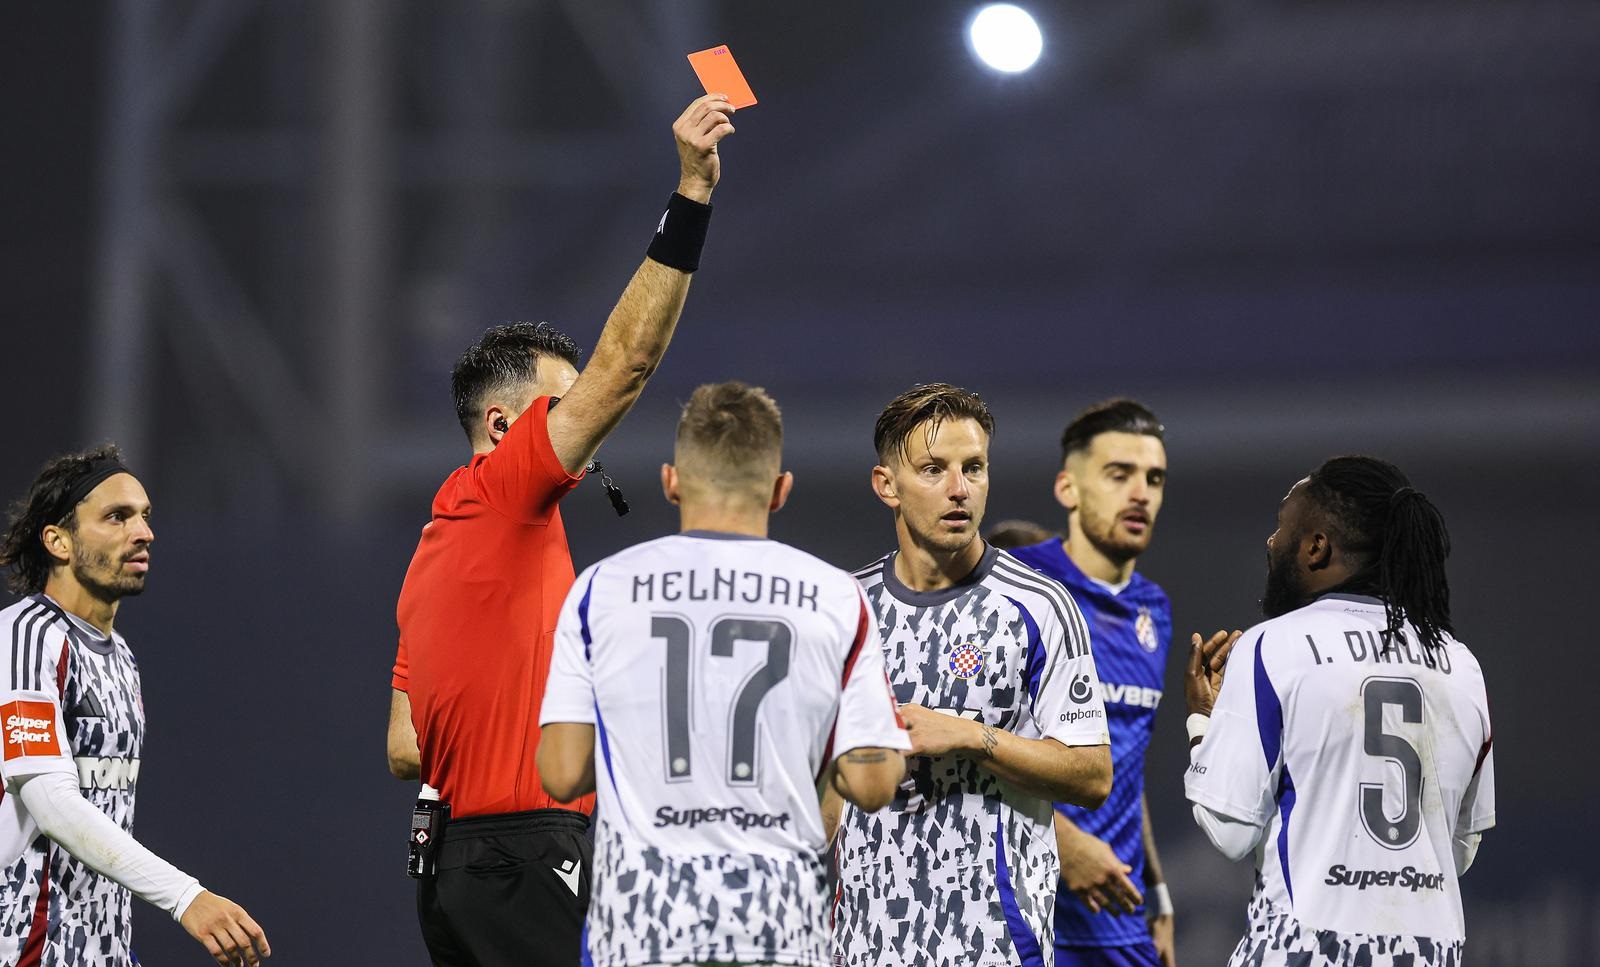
x=720, y=75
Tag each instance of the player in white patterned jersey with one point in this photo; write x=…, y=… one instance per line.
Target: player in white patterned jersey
x=991, y=663
x=74, y=734
x=726, y=676
x=1349, y=746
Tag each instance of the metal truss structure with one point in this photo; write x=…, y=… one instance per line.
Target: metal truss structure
x=291, y=385
x=300, y=196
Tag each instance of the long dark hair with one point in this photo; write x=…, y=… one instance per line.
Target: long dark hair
x=48, y=501
x=1375, y=513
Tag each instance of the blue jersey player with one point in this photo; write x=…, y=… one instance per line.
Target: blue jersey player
x=1114, y=910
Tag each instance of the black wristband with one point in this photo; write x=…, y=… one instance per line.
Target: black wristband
x=681, y=234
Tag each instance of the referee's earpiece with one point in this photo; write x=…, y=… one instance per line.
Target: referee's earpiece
x=501, y=424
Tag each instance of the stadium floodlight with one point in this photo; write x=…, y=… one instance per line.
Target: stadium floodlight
x=1005, y=37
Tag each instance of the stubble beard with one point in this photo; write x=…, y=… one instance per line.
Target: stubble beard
x=103, y=577
x=1103, y=538
x=937, y=539
x=951, y=543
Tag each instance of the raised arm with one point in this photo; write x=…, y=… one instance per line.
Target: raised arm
x=1228, y=782
x=638, y=330
x=1080, y=775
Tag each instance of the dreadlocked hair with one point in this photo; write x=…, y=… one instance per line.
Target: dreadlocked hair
x=1375, y=513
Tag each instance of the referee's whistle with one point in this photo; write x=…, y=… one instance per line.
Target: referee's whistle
x=619, y=503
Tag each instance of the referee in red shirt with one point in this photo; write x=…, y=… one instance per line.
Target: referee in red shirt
x=478, y=610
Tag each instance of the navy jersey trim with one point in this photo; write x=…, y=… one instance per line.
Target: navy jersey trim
x=588, y=644
x=1033, y=667
x=1073, y=626
x=872, y=573
x=1269, y=721
x=932, y=599
x=1269, y=713
x=1022, y=938
x=79, y=630
x=583, y=618
x=1285, y=807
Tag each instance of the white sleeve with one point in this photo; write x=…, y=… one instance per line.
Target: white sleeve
x=868, y=716
x=54, y=801
x=1063, y=683
x=35, y=737
x=1464, y=849
x=1234, y=770
x=1232, y=838
x=569, y=690
x=1477, y=806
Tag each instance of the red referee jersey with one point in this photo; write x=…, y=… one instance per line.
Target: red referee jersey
x=477, y=619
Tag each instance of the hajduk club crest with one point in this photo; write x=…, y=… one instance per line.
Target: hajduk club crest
x=1144, y=628
x=966, y=661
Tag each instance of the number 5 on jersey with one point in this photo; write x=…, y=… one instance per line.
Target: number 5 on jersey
x=1401, y=831
x=726, y=634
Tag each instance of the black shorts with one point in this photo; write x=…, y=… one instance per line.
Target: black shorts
x=511, y=889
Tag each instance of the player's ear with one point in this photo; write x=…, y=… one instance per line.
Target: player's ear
x=1316, y=550
x=883, y=486
x=57, y=542
x=1066, y=490
x=669, y=483
x=781, y=488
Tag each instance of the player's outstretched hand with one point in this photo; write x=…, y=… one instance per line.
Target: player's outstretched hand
x=226, y=930
x=1207, y=661
x=698, y=129
x=1094, y=874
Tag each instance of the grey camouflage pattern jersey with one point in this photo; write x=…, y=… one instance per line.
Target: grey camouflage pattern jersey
x=1276, y=939
x=651, y=907
x=87, y=918
x=961, y=868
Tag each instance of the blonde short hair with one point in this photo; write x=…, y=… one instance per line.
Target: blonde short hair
x=730, y=434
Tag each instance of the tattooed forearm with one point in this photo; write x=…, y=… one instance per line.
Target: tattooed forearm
x=991, y=739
